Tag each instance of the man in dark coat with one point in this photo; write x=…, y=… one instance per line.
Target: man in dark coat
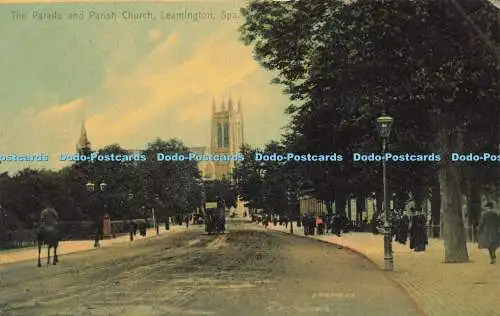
x=402, y=229
x=311, y=221
x=418, y=235
x=488, y=232
x=305, y=225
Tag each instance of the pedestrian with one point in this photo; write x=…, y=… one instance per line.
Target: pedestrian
x=97, y=231
x=304, y=224
x=186, y=220
x=312, y=224
x=418, y=233
x=143, y=227
x=131, y=229
x=337, y=224
x=135, y=227
x=488, y=231
x=320, y=225
x=402, y=229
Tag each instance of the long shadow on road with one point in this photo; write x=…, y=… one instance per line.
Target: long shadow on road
x=247, y=271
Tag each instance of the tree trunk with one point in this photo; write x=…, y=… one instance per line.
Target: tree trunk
x=455, y=245
x=329, y=208
x=436, y=208
x=474, y=206
x=349, y=209
x=379, y=200
x=360, y=207
x=340, y=202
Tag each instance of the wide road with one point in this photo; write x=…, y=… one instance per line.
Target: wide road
x=247, y=271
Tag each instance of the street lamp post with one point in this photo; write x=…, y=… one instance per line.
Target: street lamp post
x=155, y=214
x=290, y=199
x=91, y=189
x=262, y=174
x=128, y=204
x=384, y=124
x=129, y=223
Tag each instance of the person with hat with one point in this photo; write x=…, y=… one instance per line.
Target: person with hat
x=488, y=231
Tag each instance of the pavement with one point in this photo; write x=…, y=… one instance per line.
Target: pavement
x=72, y=246
x=437, y=288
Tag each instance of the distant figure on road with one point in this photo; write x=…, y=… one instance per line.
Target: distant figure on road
x=488, y=232
x=186, y=220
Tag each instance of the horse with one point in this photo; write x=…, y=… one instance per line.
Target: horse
x=48, y=234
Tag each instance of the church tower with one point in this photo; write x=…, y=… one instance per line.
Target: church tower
x=83, y=142
x=227, y=135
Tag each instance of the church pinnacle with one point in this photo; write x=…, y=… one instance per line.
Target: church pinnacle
x=83, y=141
x=230, y=103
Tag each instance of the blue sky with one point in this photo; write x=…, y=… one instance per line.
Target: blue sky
x=131, y=81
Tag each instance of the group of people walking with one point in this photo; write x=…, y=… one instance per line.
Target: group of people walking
x=413, y=227
x=134, y=226
x=323, y=224
x=320, y=225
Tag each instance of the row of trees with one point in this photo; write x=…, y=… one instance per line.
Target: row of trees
x=132, y=187
x=431, y=65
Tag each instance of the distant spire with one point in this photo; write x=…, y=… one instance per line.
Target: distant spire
x=230, y=102
x=83, y=141
x=213, y=105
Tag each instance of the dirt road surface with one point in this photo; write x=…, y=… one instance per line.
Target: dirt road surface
x=246, y=272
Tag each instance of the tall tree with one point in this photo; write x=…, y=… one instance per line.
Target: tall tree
x=418, y=61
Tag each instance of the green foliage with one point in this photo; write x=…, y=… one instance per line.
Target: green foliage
x=248, y=178
x=344, y=63
x=266, y=185
x=223, y=188
x=132, y=187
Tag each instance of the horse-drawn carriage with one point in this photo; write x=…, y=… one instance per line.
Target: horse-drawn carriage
x=215, y=218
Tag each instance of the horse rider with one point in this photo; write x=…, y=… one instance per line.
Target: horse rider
x=49, y=216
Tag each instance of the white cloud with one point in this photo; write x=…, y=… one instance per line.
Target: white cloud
x=61, y=111
x=160, y=97
x=156, y=87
